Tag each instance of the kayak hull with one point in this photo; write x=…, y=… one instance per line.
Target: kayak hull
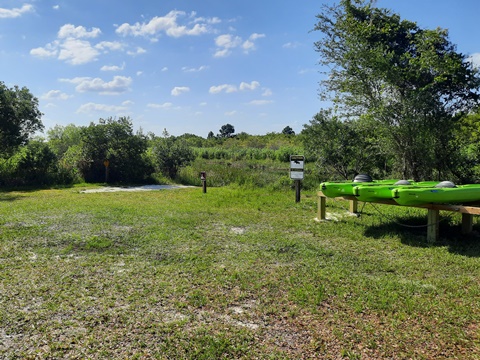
x=346, y=188
x=384, y=192
x=420, y=196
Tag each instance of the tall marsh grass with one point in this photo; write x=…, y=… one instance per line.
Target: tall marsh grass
x=270, y=174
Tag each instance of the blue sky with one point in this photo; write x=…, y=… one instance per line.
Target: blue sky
x=185, y=66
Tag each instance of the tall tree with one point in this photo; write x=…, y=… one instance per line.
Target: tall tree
x=115, y=141
x=19, y=117
x=408, y=81
x=170, y=154
x=341, y=148
x=287, y=130
x=226, y=131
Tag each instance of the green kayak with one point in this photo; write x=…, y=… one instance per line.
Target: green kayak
x=459, y=194
x=369, y=193
x=345, y=188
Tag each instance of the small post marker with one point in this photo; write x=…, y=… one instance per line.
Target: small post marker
x=296, y=173
x=106, y=162
x=203, y=177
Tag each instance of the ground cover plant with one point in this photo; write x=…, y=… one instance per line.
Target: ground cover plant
x=234, y=273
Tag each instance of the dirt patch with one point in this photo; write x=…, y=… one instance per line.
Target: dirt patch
x=135, y=188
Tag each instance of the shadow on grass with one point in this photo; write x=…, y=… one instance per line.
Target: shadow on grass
x=413, y=232
x=8, y=198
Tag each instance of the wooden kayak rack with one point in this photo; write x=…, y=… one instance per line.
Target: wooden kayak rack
x=433, y=215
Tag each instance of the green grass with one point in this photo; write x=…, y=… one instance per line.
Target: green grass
x=234, y=273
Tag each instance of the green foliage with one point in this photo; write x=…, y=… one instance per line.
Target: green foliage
x=62, y=138
x=409, y=81
x=287, y=130
x=246, y=153
x=169, y=154
x=114, y=140
x=33, y=164
x=226, y=131
x=19, y=117
x=342, y=149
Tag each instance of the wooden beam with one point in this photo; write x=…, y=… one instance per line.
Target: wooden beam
x=353, y=206
x=322, y=200
x=433, y=225
x=467, y=223
x=464, y=209
x=433, y=215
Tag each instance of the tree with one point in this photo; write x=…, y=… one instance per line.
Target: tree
x=210, y=135
x=287, y=130
x=170, y=154
x=226, y=131
x=19, y=117
x=407, y=80
x=114, y=140
x=342, y=148
x=61, y=138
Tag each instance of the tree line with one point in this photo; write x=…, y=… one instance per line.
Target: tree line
x=405, y=104
x=109, y=150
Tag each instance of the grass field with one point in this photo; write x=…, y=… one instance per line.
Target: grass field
x=234, y=273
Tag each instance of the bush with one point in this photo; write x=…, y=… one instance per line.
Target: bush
x=33, y=165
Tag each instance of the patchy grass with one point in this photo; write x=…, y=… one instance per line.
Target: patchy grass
x=233, y=273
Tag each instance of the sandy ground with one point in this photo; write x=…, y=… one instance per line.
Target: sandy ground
x=135, y=188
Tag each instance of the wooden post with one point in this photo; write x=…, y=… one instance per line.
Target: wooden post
x=433, y=225
x=321, y=215
x=297, y=191
x=467, y=223
x=203, y=178
x=353, y=206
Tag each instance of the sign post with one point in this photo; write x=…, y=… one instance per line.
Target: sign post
x=296, y=172
x=106, y=162
x=203, y=177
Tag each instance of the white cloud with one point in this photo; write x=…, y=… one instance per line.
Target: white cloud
x=55, y=95
x=56, y=7
x=167, y=105
x=290, y=45
x=72, y=47
x=77, y=52
x=260, y=102
x=249, y=44
x=45, y=52
x=138, y=51
x=246, y=86
x=112, y=67
x=226, y=43
x=267, y=92
x=119, y=84
x=190, y=70
x=232, y=88
x=178, y=90
x=212, y=21
x=475, y=60
x=70, y=31
x=93, y=107
x=225, y=87
x=16, y=12
x=231, y=113
x=167, y=24
x=109, y=45
x=164, y=69
x=222, y=53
